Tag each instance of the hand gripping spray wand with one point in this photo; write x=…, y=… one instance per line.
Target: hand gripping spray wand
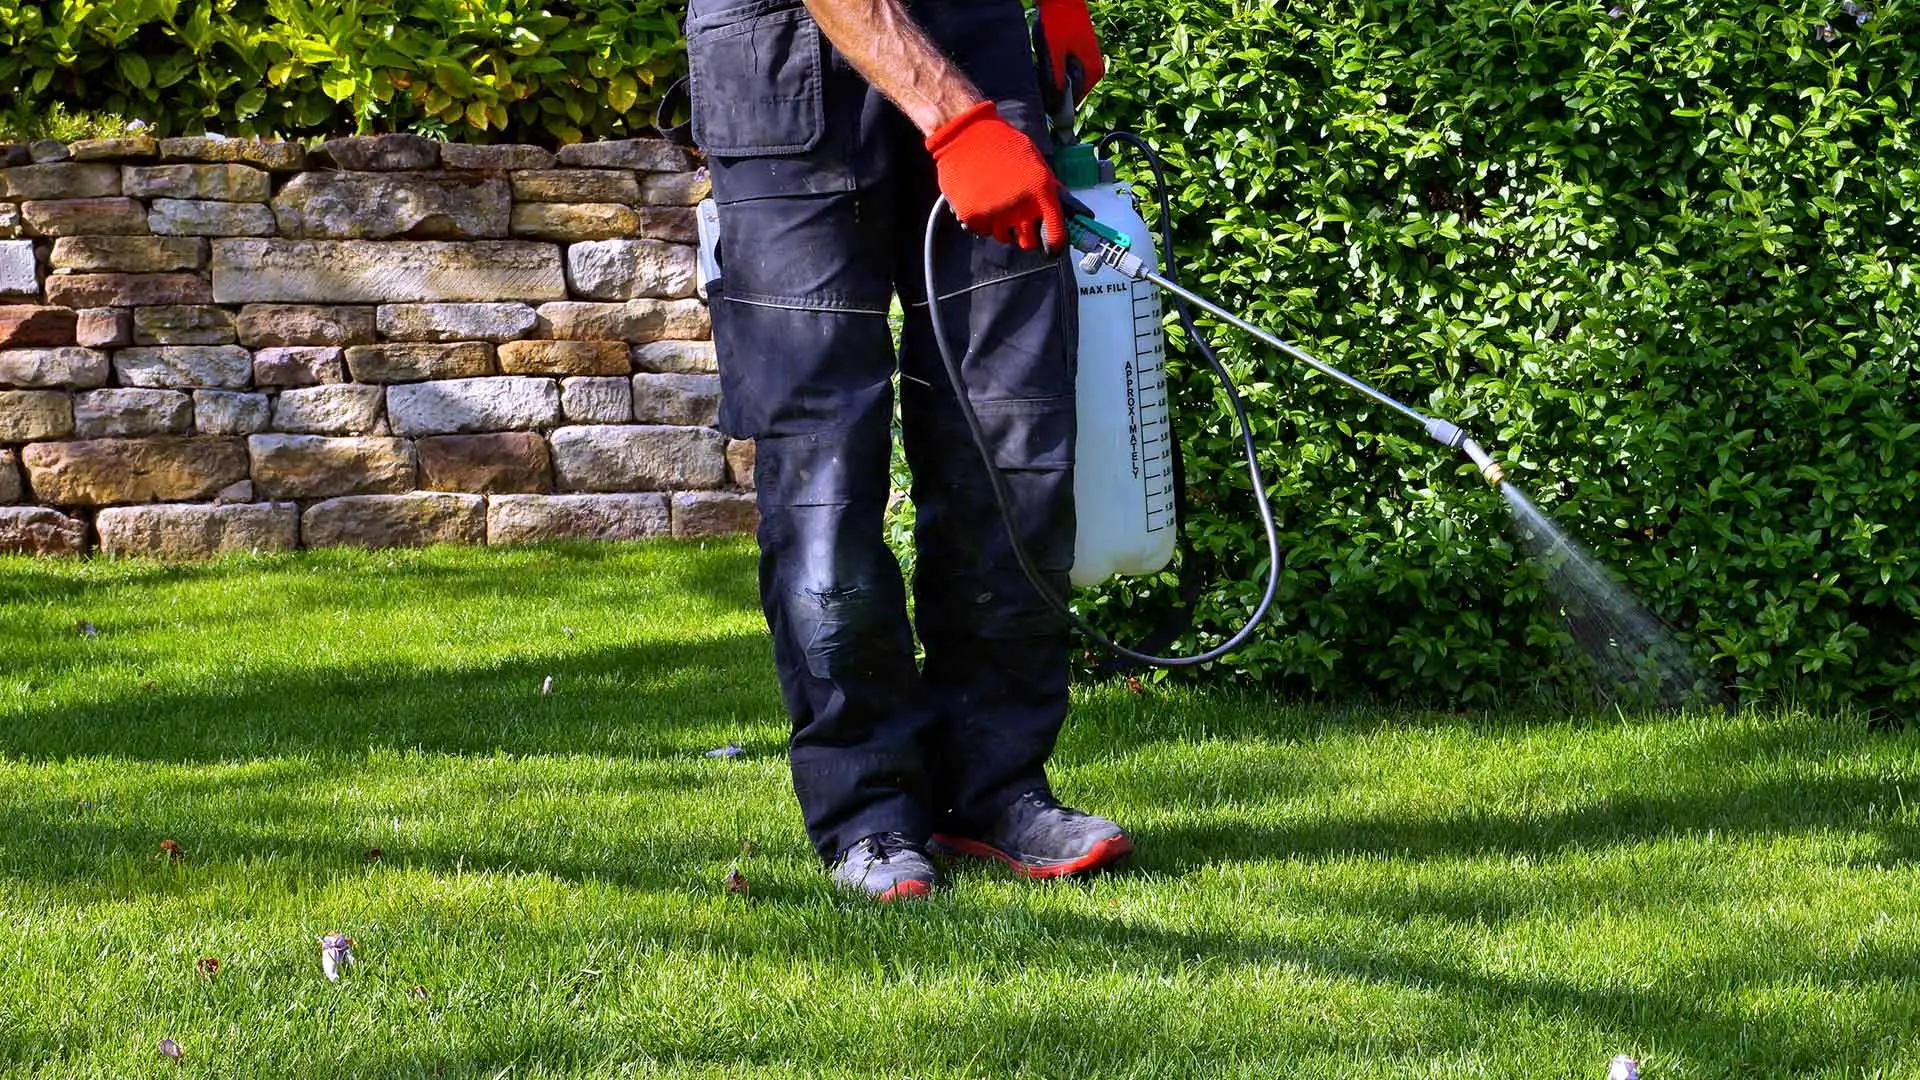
x=1126, y=471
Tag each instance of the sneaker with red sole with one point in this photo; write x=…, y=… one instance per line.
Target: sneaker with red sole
x=885, y=867
x=1040, y=839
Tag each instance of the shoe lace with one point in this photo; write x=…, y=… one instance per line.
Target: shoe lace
x=884, y=846
x=1043, y=800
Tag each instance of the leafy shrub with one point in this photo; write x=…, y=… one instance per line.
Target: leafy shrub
x=1659, y=258
x=477, y=69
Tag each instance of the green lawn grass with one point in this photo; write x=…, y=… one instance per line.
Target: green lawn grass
x=1318, y=893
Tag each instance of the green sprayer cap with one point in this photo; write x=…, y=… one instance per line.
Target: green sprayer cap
x=1077, y=165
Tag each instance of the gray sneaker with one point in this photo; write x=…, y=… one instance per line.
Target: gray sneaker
x=885, y=866
x=1039, y=838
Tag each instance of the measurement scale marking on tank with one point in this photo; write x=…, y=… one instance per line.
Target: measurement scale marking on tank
x=1156, y=440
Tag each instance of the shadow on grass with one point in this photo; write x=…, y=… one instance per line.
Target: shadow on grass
x=341, y=689
x=1741, y=780
x=629, y=701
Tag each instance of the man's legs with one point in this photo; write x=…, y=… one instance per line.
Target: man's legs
x=816, y=225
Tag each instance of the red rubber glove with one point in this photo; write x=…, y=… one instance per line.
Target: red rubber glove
x=996, y=180
x=1067, y=31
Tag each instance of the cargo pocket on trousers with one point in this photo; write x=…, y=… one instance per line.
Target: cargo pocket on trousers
x=757, y=80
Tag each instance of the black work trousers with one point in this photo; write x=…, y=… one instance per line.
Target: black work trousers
x=824, y=190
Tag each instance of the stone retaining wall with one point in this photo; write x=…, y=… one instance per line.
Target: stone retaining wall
x=209, y=345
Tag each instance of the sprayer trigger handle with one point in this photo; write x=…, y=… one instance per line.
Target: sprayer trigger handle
x=1085, y=231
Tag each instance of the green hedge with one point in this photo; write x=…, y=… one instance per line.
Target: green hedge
x=1659, y=257
x=463, y=69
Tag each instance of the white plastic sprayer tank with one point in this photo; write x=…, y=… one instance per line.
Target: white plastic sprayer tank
x=1123, y=466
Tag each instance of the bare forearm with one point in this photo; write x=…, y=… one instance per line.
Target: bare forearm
x=887, y=47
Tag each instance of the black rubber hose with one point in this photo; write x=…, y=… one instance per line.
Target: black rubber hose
x=1005, y=500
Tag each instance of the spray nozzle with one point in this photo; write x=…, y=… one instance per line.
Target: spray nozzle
x=1489, y=468
x=1449, y=435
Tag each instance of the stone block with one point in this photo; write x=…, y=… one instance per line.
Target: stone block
x=104, y=327
x=502, y=158
x=631, y=269
x=676, y=358
x=275, y=325
x=28, y=415
x=596, y=458
x=379, y=206
x=318, y=467
x=11, y=227
x=456, y=322
x=677, y=399
x=227, y=412
x=196, y=217
x=180, y=532
x=35, y=325
x=127, y=148
x=531, y=519
x=272, y=156
x=218, y=183
x=46, y=150
x=678, y=224
x=240, y=491
x=10, y=488
x=740, y=459
x=576, y=186
x=127, y=290
x=699, y=514
x=564, y=358
x=299, y=365
x=675, y=189
x=647, y=155
x=77, y=217
x=385, y=271
x=468, y=406
x=569, y=223
x=414, y=363
x=69, y=367
x=510, y=461
x=376, y=153
x=13, y=153
x=34, y=530
x=105, y=472
x=192, y=324
x=60, y=180
x=635, y=322
x=19, y=269
x=131, y=413
x=220, y=367
x=342, y=409
x=129, y=254
x=597, y=400
x=383, y=521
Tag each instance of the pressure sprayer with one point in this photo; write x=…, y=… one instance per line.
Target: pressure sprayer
x=1126, y=468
